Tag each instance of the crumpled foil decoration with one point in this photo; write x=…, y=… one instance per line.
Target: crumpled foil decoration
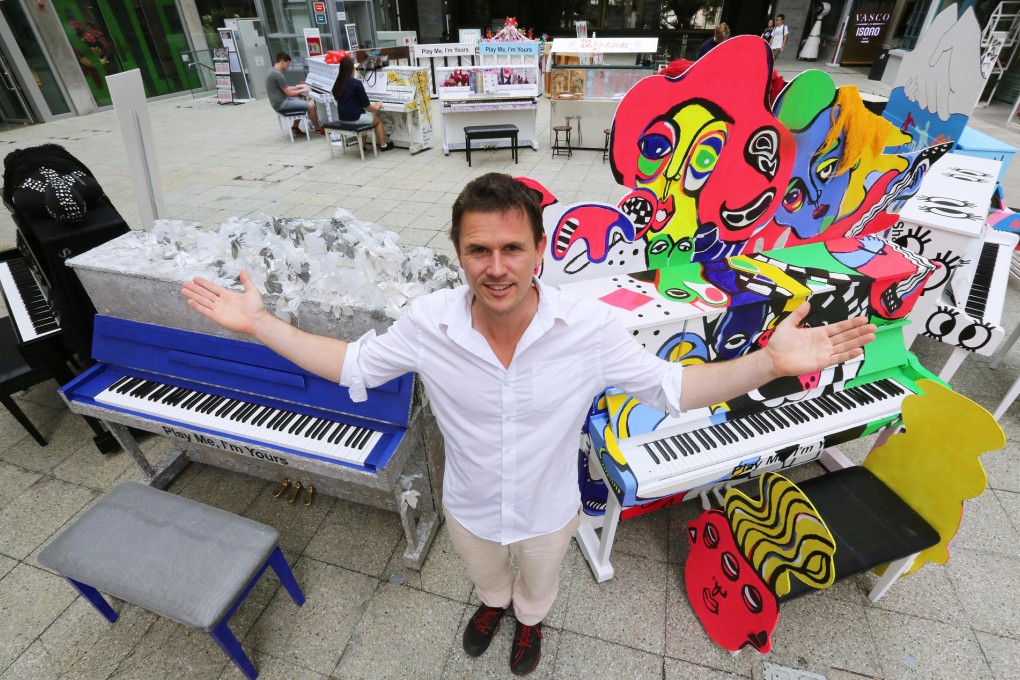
x=341, y=263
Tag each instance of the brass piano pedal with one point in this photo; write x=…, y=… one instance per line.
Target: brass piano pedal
x=309, y=492
x=283, y=487
x=294, y=491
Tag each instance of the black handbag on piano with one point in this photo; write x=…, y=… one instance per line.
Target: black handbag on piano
x=60, y=211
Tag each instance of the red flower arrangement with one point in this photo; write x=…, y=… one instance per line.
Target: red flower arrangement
x=93, y=39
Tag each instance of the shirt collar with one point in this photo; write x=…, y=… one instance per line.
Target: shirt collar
x=457, y=317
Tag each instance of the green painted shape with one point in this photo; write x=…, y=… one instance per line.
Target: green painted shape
x=807, y=95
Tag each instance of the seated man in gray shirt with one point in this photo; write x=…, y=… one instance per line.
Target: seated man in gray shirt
x=501, y=359
x=285, y=99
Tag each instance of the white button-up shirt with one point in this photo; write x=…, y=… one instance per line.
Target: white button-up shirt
x=512, y=433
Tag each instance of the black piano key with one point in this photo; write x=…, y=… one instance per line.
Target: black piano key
x=274, y=422
x=328, y=434
x=977, y=296
x=265, y=414
x=360, y=442
x=191, y=401
x=304, y=429
x=667, y=452
x=683, y=446
x=300, y=422
x=322, y=429
x=352, y=436
x=246, y=413
x=341, y=435
x=158, y=393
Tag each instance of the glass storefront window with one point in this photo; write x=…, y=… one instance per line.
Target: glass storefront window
x=33, y=53
x=111, y=36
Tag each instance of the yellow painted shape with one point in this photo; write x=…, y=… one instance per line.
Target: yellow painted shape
x=781, y=533
x=934, y=465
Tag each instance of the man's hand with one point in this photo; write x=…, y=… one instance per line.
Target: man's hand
x=791, y=351
x=234, y=311
x=797, y=351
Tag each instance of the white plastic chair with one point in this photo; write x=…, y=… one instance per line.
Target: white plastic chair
x=286, y=123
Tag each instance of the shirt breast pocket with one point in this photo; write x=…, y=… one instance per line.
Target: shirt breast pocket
x=554, y=383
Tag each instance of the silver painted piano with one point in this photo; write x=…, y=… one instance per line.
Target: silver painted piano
x=233, y=403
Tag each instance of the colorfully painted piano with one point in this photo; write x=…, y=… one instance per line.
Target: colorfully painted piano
x=696, y=313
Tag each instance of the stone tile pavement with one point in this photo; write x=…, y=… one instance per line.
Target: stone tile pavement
x=367, y=616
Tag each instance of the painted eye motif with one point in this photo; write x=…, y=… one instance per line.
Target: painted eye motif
x=941, y=323
x=730, y=566
x=751, y=598
x=711, y=536
x=659, y=247
x=703, y=160
x=678, y=294
x=684, y=244
x=827, y=169
x=975, y=336
x=735, y=341
x=654, y=146
x=794, y=198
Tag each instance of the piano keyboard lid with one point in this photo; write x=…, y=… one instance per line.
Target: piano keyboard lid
x=243, y=366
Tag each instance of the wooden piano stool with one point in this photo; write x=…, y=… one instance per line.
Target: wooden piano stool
x=173, y=556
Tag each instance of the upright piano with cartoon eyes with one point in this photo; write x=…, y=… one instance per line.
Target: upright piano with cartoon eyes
x=640, y=459
x=946, y=222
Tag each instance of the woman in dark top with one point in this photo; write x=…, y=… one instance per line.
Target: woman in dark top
x=352, y=103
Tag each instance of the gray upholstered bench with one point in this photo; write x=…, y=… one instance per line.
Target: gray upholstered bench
x=505, y=131
x=171, y=555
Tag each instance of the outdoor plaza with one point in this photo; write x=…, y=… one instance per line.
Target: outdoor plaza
x=369, y=616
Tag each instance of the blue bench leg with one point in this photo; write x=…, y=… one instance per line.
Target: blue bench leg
x=286, y=576
x=229, y=644
x=95, y=598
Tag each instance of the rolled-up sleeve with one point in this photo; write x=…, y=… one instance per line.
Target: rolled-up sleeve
x=375, y=359
x=630, y=367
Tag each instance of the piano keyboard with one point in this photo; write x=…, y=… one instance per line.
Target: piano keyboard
x=277, y=427
x=991, y=275
x=658, y=458
x=26, y=303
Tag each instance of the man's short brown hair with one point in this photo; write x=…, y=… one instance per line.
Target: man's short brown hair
x=282, y=56
x=496, y=192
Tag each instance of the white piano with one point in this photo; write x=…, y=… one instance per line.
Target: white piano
x=946, y=222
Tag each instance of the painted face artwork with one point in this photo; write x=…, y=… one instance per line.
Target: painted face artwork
x=705, y=164
x=742, y=559
x=840, y=172
x=734, y=604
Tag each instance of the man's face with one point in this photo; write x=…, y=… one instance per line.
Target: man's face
x=779, y=21
x=498, y=254
x=284, y=65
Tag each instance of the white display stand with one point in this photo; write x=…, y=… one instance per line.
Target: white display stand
x=502, y=88
x=590, y=92
x=442, y=55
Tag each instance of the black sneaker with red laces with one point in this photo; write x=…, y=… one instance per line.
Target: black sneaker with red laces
x=526, y=650
x=481, y=629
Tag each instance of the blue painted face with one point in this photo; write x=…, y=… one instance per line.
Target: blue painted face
x=814, y=194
